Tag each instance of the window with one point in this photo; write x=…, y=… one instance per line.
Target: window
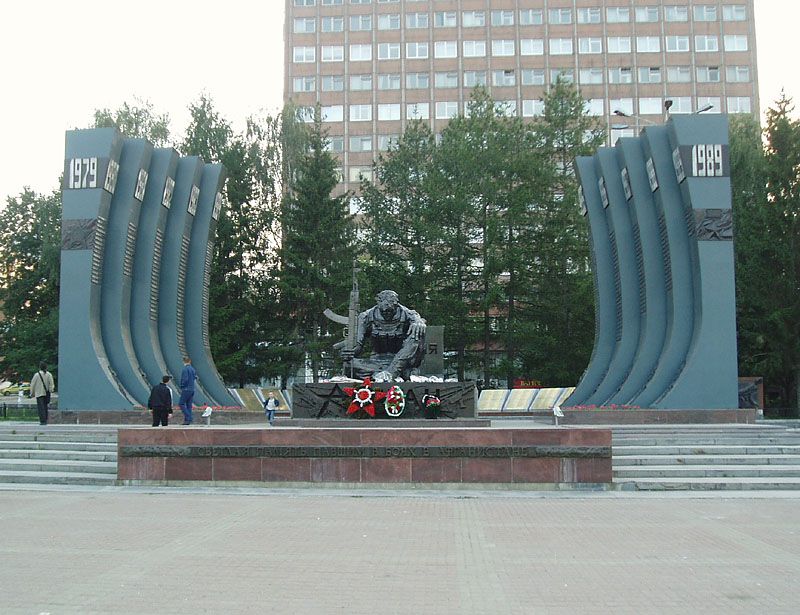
x=356, y=174
x=618, y=14
x=389, y=82
x=737, y=74
x=360, y=113
x=335, y=144
x=504, y=78
x=332, y=83
x=502, y=18
x=307, y=84
x=530, y=17
x=416, y=20
x=473, y=19
x=390, y=51
x=590, y=75
x=333, y=113
x=304, y=2
x=559, y=16
x=305, y=25
x=560, y=46
x=738, y=104
x=620, y=75
x=566, y=75
x=735, y=42
x=531, y=108
x=594, y=106
x=360, y=1
x=646, y=14
x=503, y=47
x=418, y=111
x=679, y=74
x=589, y=15
x=704, y=102
x=303, y=54
x=445, y=49
x=474, y=77
x=648, y=44
x=681, y=104
x=532, y=76
x=649, y=74
x=531, y=47
x=418, y=81
x=474, y=49
x=360, y=82
x=677, y=43
x=332, y=24
x=306, y=114
x=446, y=110
x=360, y=23
x=705, y=12
x=389, y=22
x=387, y=112
x=360, y=53
x=332, y=53
x=506, y=107
x=386, y=141
x=621, y=104
x=331, y=2
x=651, y=106
x=676, y=13
x=708, y=74
x=445, y=19
x=734, y=12
x=590, y=45
x=416, y=51
x=446, y=80
x=706, y=42
x=619, y=44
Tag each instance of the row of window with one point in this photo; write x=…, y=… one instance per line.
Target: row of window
x=510, y=77
x=447, y=109
x=533, y=17
x=527, y=47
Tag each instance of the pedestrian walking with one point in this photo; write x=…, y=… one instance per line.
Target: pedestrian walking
x=160, y=402
x=42, y=387
x=188, y=377
x=270, y=406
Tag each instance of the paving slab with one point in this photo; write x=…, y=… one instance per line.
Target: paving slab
x=126, y=551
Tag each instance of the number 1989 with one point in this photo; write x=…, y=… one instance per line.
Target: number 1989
x=707, y=160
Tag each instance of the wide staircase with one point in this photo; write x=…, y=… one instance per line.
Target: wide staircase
x=706, y=457
x=58, y=454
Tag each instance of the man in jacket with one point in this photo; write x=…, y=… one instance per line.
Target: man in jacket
x=188, y=376
x=41, y=387
x=160, y=403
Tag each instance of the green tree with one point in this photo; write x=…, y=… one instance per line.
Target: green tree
x=30, y=244
x=136, y=121
x=318, y=247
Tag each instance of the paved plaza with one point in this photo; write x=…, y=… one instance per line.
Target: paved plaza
x=133, y=550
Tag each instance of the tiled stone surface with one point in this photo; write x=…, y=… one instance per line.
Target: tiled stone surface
x=369, y=469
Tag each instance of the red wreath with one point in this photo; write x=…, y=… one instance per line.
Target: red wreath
x=364, y=398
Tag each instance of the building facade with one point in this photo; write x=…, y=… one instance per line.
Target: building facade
x=373, y=65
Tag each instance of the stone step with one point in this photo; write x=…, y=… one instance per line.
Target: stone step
x=59, y=446
x=58, y=437
x=712, y=449
x=78, y=455
x=56, y=478
x=705, y=440
x=641, y=473
x=58, y=465
x=647, y=460
x=709, y=484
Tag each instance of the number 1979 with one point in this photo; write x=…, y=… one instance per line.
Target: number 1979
x=83, y=173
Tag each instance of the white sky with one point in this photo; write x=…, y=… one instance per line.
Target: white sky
x=62, y=60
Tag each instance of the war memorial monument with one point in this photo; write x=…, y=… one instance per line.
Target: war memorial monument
x=137, y=240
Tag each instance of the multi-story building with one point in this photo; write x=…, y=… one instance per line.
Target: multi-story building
x=373, y=65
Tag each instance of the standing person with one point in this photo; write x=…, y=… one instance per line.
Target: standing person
x=160, y=402
x=41, y=387
x=270, y=406
x=188, y=376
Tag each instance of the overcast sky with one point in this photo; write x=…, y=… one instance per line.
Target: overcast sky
x=62, y=60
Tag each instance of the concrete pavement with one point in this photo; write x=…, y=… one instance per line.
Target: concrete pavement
x=135, y=551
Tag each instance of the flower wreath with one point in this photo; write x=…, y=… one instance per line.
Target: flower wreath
x=431, y=402
x=363, y=398
x=395, y=401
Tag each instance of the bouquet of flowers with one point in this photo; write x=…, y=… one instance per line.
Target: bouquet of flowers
x=395, y=401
